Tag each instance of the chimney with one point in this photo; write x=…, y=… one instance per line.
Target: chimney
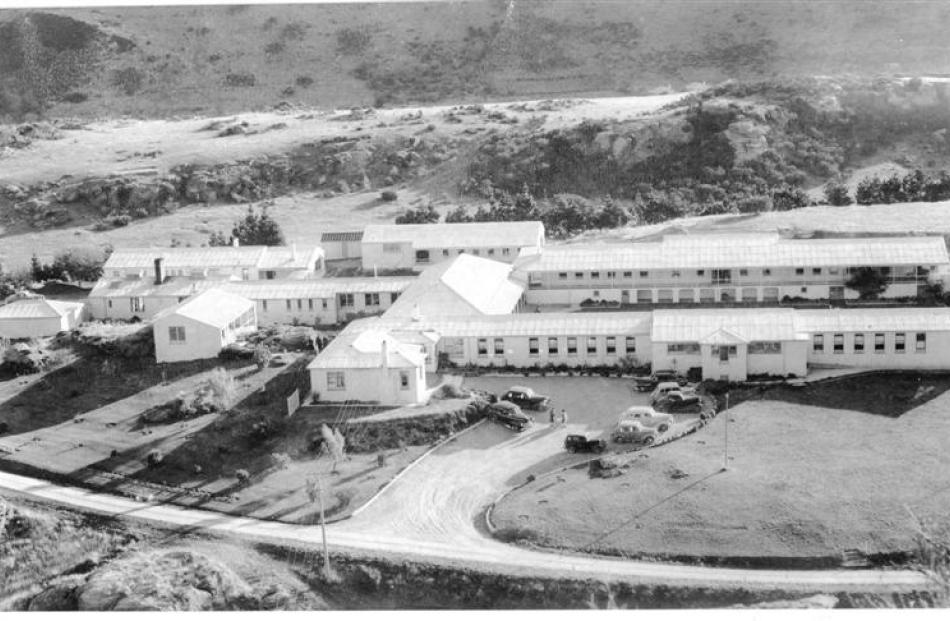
x=235, y=242
x=159, y=270
x=384, y=352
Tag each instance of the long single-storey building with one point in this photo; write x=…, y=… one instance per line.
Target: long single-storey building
x=417, y=246
x=726, y=268
x=36, y=316
x=201, y=326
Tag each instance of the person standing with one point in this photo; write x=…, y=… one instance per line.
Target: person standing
x=551, y=414
x=563, y=417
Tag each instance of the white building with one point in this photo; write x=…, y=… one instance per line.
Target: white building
x=37, y=316
x=726, y=268
x=370, y=365
x=417, y=246
x=466, y=285
x=342, y=245
x=202, y=325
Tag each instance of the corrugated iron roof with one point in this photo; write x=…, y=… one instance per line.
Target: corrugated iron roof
x=342, y=236
x=529, y=324
x=457, y=235
x=37, y=308
x=213, y=307
x=212, y=257
x=751, y=324
x=874, y=320
x=740, y=250
x=362, y=349
x=316, y=288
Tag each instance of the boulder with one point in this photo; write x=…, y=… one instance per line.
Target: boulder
x=58, y=597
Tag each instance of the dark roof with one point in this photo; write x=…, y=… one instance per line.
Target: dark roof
x=346, y=236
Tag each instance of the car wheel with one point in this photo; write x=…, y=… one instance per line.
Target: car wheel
x=601, y=448
x=663, y=428
x=648, y=440
x=572, y=449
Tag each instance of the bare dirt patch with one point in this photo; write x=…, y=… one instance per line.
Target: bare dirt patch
x=805, y=482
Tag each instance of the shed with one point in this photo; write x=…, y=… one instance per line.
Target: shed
x=37, y=316
x=202, y=325
x=342, y=245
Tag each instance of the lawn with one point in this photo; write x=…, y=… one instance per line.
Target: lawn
x=812, y=472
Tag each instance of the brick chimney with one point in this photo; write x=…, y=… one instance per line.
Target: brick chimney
x=384, y=352
x=159, y=270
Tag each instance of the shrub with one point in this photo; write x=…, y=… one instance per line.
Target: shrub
x=222, y=389
x=281, y=461
x=243, y=476
x=303, y=81
x=262, y=356
x=122, y=220
x=275, y=47
x=836, y=194
x=128, y=79
x=352, y=41
x=422, y=215
x=388, y=195
x=75, y=97
x=154, y=458
x=868, y=282
x=240, y=79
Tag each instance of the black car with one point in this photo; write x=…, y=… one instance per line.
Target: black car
x=646, y=383
x=525, y=398
x=576, y=443
x=509, y=415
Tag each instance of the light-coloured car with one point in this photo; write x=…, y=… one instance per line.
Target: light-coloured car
x=664, y=388
x=648, y=417
x=633, y=432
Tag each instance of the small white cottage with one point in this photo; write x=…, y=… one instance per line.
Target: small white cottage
x=202, y=325
x=370, y=365
x=36, y=316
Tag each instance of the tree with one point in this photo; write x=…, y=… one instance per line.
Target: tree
x=335, y=444
x=423, y=215
x=254, y=230
x=868, y=282
x=459, y=214
x=836, y=193
x=262, y=356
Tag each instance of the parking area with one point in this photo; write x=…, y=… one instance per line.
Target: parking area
x=593, y=404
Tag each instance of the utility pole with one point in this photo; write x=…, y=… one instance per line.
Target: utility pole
x=323, y=528
x=725, y=436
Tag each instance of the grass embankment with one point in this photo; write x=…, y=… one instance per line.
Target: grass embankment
x=811, y=472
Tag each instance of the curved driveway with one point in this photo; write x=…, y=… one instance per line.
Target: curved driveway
x=430, y=514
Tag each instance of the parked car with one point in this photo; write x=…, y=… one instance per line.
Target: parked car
x=645, y=383
x=679, y=402
x=577, y=443
x=633, y=432
x=648, y=417
x=509, y=415
x=525, y=398
x=664, y=388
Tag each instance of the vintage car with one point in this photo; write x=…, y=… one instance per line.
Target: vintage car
x=645, y=383
x=577, y=443
x=664, y=388
x=509, y=415
x=633, y=432
x=525, y=398
x=648, y=417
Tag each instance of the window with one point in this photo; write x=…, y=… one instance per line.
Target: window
x=799, y=271
x=506, y=251
x=336, y=380
x=491, y=252
x=482, y=347
x=816, y=271
x=422, y=256
x=552, y=345
x=611, y=274
x=299, y=304
x=572, y=346
x=628, y=274
x=743, y=272
x=533, y=347
x=137, y=305
x=595, y=275
x=110, y=303
x=323, y=303
x=839, y=343
x=721, y=277
x=899, y=341
x=310, y=304
x=834, y=270
x=372, y=299
x=176, y=334
x=644, y=274
x=921, y=346
x=592, y=345
x=766, y=272
x=499, y=346
x=700, y=272
x=264, y=304
x=578, y=275
x=665, y=296
x=403, y=380
x=804, y=289
x=244, y=274
x=611, y=345
x=288, y=304
x=393, y=296
x=724, y=352
x=562, y=276
x=859, y=343
x=391, y=248
x=476, y=252
x=630, y=345
x=682, y=348
x=879, y=343
x=346, y=299
x=765, y=347
x=445, y=252
x=818, y=343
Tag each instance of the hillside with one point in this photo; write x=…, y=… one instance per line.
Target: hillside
x=156, y=62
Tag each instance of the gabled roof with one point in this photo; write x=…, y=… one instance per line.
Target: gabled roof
x=457, y=235
x=748, y=324
x=37, y=308
x=737, y=250
x=259, y=257
x=362, y=348
x=174, y=287
x=528, y=324
x=212, y=307
x=342, y=236
x=316, y=288
x=722, y=336
x=464, y=285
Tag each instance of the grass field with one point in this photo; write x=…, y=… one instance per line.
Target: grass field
x=810, y=474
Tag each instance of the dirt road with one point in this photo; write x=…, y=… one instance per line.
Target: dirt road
x=430, y=514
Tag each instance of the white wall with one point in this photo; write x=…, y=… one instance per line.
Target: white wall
x=373, y=256
x=517, y=351
x=201, y=340
x=376, y=384
x=32, y=327
x=121, y=308
x=936, y=356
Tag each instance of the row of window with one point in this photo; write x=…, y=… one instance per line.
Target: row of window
x=754, y=347
x=423, y=256
x=717, y=275
x=879, y=342
x=496, y=346
x=336, y=380
x=345, y=300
